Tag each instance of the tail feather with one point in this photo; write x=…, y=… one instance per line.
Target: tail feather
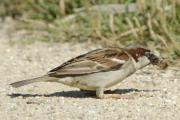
x=29, y=81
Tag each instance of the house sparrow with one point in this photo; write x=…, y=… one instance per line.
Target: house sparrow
x=99, y=69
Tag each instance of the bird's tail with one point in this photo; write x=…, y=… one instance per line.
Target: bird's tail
x=29, y=81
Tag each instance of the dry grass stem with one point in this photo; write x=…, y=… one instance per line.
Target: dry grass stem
x=124, y=34
x=132, y=28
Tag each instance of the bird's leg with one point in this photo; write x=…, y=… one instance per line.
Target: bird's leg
x=100, y=93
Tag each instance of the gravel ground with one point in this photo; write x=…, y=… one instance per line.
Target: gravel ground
x=156, y=93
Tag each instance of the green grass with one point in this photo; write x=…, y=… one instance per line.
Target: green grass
x=151, y=25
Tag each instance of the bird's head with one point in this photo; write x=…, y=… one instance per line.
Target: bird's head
x=138, y=52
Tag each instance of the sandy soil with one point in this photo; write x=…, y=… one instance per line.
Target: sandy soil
x=156, y=93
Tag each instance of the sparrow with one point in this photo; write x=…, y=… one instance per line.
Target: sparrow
x=99, y=69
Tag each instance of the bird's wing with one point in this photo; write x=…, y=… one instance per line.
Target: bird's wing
x=99, y=60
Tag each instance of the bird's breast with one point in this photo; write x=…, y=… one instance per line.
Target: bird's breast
x=106, y=79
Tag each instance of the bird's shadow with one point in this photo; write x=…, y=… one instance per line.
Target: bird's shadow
x=79, y=94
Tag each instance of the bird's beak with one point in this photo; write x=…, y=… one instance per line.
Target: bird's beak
x=156, y=60
x=162, y=64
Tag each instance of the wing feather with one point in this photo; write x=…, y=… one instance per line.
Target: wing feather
x=99, y=60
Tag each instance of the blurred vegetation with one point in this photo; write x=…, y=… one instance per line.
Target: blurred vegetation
x=153, y=23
